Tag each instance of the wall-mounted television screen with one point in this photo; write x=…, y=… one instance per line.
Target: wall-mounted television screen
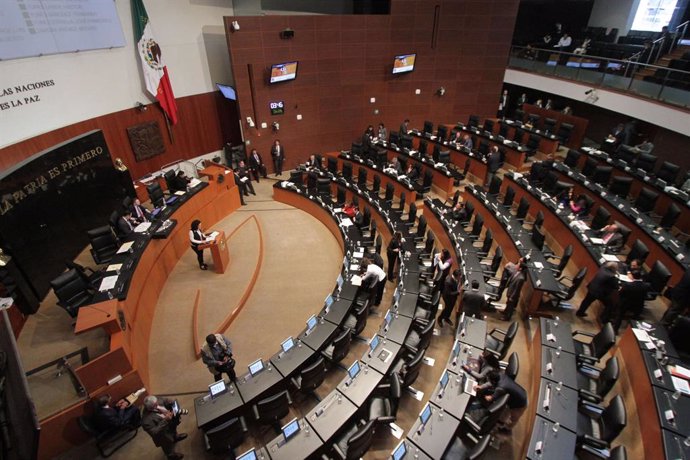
x=404, y=63
x=227, y=91
x=283, y=72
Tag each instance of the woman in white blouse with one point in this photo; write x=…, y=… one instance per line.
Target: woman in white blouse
x=197, y=237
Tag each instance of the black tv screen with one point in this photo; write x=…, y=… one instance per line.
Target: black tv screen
x=227, y=91
x=404, y=63
x=283, y=72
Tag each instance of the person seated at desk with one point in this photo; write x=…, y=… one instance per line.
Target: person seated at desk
x=578, y=206
x=243, y=174
x=616, y=136
x=456, y=138
x=467, y=142
x=472, y=301
x=139, y=213
x=584, y=46
x=405, y=126
x=486, y=363
x=358, y=219
x=631, y=297
x=311, y=162
x=368, y=136
x=612, y=237
x=394, y=167
x=108, y=417
x=382, y=132
x=256, y=165
x=412, y=172
x=216, y=353
x=125, y=224
x=564, y=43
x=350, y=210
x=645, y=147
x=179, y=182
x=458, y=212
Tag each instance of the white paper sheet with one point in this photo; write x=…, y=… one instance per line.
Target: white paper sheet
x=108, y=283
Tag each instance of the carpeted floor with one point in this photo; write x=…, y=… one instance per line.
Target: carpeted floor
x=300, y=263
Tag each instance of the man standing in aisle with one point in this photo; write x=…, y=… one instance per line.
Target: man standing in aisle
x=216, y=353
x=601, y=288
x=513, y=289
x=278, y=154
x=160, y=422
x=450, y=292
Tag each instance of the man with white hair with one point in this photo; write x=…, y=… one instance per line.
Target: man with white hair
x=160, y=421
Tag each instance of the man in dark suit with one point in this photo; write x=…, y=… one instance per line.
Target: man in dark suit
x=631, y=297
x=109, y=417
x=493, y=161
x=256, y=165
x=125, y=225
x=601, y=288
x=472, y=301
x=513, y=290
x=278, y=154
x=680, y=300
x=161, y=424
x=404, y=126
x=450, y=292
x=358, y=220
x=139, y=213
x=243, y=174
x=458, y=212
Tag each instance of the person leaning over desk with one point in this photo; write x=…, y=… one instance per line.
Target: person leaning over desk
x=196, y=238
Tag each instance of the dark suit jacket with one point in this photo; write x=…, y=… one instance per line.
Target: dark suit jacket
x=359, y=220
x=122, y=226
x=603, y=284
x=144, y=211
x=472, y=302
x=253, y=163
x=494, y=161
x=242, y=171
x=274, y=152
x=514, y=286
x=157, y=427
x=632, y=296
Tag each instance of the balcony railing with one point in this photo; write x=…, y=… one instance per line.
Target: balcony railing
x=667, y=85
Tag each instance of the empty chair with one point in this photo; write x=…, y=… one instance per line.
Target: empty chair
x=596, y=424
x=519, y=135
x=357, y=320
x=362, y=177
x=473, y=121
x=442, y=133
x=419, y=337
x=411, y=214
x=155, y=194
x=486, y=244
x=519, y=115
x=72, y=291
x=488, y=125
x=388, y=198
x=513, y=366
x=646, y=200
x=340, y=197
x=670, y=218
x=562, y=260
x=401, y=204
x=311, y=377
x=104, y=244
x=88, y=274
x=347, y=171
x=571, y=158
x=494, y=185
x=483, y=147
x=639, y=251
x=657, y=279
x=503, y=130
x=509, y=197
x=620, y=186
x=422, y=147
x=538, y=220
x=421, y=229
x=269, y=411
x=601, y=218
x=593, y=383
x=466, y=447
x=533, y=142
x=107, y=441
x=533, y=118
x=383, y=406
x=522, y=209
x=565, y=130
x=426, y=182
x=602, y=175
x=323, y=186
x=452, y=202
x=598, y=345
x=376, y=185
x=477, y=227
x=668, y=172
x=549, y=125
x=567, y=291
x=490, y=270
x=498, y=341
x=354, y=443
x=225, y=437
x=332, y=165
x=589, y=167
x=339, y=347
x=646, y=162
x=409, y=370
x=625, y=153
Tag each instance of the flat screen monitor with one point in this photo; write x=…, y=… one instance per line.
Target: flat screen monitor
x=287, y=344
x=425, y=415
x=387, y=319
x=217, y=388
x=373, y=343
x=404, y=63
x=340, y=280
x=256, y=367
x=291, y=429
x=311, y=322
x=396, y=295
x=400, y=451
x=456, y=348
x=444, y=379
x=328, y=302
x=283, y=72
x=249, y=455
x=353, y=370
x=227, y=91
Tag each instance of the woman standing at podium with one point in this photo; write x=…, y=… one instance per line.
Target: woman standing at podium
x=197, y=237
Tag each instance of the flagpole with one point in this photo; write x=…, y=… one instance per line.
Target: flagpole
x=167, y=124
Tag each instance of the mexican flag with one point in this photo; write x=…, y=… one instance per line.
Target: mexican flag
x=155, y=71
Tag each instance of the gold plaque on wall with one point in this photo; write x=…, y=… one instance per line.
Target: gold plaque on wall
x=146, y=140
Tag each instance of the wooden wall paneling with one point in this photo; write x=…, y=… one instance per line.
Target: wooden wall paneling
x=96, y=373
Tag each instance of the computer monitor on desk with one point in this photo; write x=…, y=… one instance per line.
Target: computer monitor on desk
x=290, y=429
x=249, y=455
x=353, y=371
x=217, y=388
x=400, y=451
x=287, y=344
x=256, y=367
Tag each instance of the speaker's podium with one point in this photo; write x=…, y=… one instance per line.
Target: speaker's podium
x=219, y=252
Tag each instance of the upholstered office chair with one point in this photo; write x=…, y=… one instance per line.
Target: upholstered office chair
x=625, y=231
x=366, y=221
x=356, y=321
x=533, y=143
x=72, y=291
x=88, y=274
x=467, y=447
x=668, y=172
x=537, y=222
x=383, y=405
x=226, y=437
x=678, y=333
x=508, y=197
x=427, y=181
x=310, y=378
x=646, y=162
x=388, y=197
x=498, y=341
x=156, y=194
x=341, y=197
x=567, y=291
x=485, y=245
x=571, y=158
x=427, y=252
x=409, y=220
x=419, y=336
x=519, y=135
x=562, y=260
x=488, y=125
x=523, y=207
x=657, y=279
x=519, y=115
x=590, y=167
x=593, y=383
x=639, y=251
x=107, y=441
x=601, y=218
x=490, y=270
x=533, y=118
x=452, y=201
x=362, y=177
x=473, y=121
x=599, y=344
x=598, y=426
x=469, y=211
x=269, y=411
x=339, y=347
x=513, y=367
x=482, y=425
x=670, y=218
x=646, y=200
x=428, y=301
x=565, y=130
x=408, y=370
x=483, y=147
x=503, y=130
x=354, y=442
x=104, y=244
x=549, y=124
x=376, y=185
x=476, y=227
x=369, y=234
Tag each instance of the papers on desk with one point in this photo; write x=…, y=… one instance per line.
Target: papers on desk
x=212, y=236
x=346, y=222
x=550, y=337
x=354, y=267
x=356, y=280
x=179, y=193
x=596, y=240
x=142, y=227
x=539, y=265
x=194, y=182
x=125, y=247
x=680, y=371
x=108, y=283
x=469, y=387
x=623, y=278
x=641, y=335
x=579, y=225
x=680, y=385
x=113, y=267
x=610, y=258
x=337, y=209
x=358, y=255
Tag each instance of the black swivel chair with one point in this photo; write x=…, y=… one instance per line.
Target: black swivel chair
x=668, y=172
x=408, y=369
x=419, y=337
x=567, y=291
x=646, y=162
x=476, y=227
x=473, y=121
x=466, y=447
x=509, y=197
x=498, y=341
x=600, y=343
x=88, y=274
x=646, y=200
x=390, y=191
x=601, y=218
x=376, y=186
x=156, y=194
x=485, y=423
x=226, y=437
x=488, y=125
x=310, y=378
x=383, y=406
x=562, y=261
x=104, y=244
x=598, y=426
x=427, y=181
x=593, y=383
x=678, y=333
x=513, y=367
x=657, y=279
x=523, y=207
x=490, y=270
x=590, y=167
x=339, y=348
x=549, y=125
x=72, y=291
x=565, y=130
x=639, y=251
x=571, y=158
x=355, y=442
x=107, y=441
x=269, y=411
x=670, y=218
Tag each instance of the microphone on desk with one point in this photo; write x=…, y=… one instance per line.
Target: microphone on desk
x=107, y=315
